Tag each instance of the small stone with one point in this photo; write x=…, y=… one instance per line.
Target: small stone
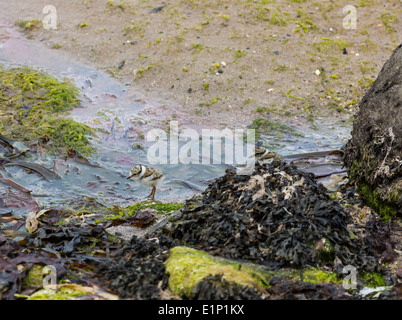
x=317, y=72
x=276, y=52
x=121, y=64
x=190, y=90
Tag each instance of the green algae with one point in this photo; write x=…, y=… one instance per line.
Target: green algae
x=327, y=45
x=186, y=267
x=372, y=280
x=64, y=293
x=33, y=106
x=28, y=25
x=161, y=209
x=386, y=209
x=34, y=278
x=271, y=128
x=374, y=200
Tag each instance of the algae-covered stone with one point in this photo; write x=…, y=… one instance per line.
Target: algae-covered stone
x=62, y=294
x=187, y=267
x=374, y=153
x=71, y=291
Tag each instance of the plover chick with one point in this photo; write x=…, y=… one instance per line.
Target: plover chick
x=264, y=156
x=147, y=176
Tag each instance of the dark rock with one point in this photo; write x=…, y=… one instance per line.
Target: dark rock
x=121, y=64
x=158, y=9
x=374, y=153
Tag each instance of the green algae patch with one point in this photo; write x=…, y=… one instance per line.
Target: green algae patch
x=316, y=275
x=129, y=211
x=373, y=198
x=271, y=128
x=33, y=106
x=64, y=293
x=161, y=208
x=372, y=280
x=327, y=45
x=28, y=25
x=34, y=278
x=187, y=267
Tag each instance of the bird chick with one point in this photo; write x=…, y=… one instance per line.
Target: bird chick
x=146, y=176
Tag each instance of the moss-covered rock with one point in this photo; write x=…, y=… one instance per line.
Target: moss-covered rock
x=187, y=267
x=373, y=154
x=64, y=293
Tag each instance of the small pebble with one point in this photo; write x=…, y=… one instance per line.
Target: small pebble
x=190, y=90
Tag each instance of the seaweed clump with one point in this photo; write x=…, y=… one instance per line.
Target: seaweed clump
x=215, y=287
x=278, y=216
x=138, y=269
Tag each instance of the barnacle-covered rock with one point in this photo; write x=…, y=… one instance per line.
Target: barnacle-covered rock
x=374, y=153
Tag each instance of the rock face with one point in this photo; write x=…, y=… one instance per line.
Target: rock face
x=374, y=153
